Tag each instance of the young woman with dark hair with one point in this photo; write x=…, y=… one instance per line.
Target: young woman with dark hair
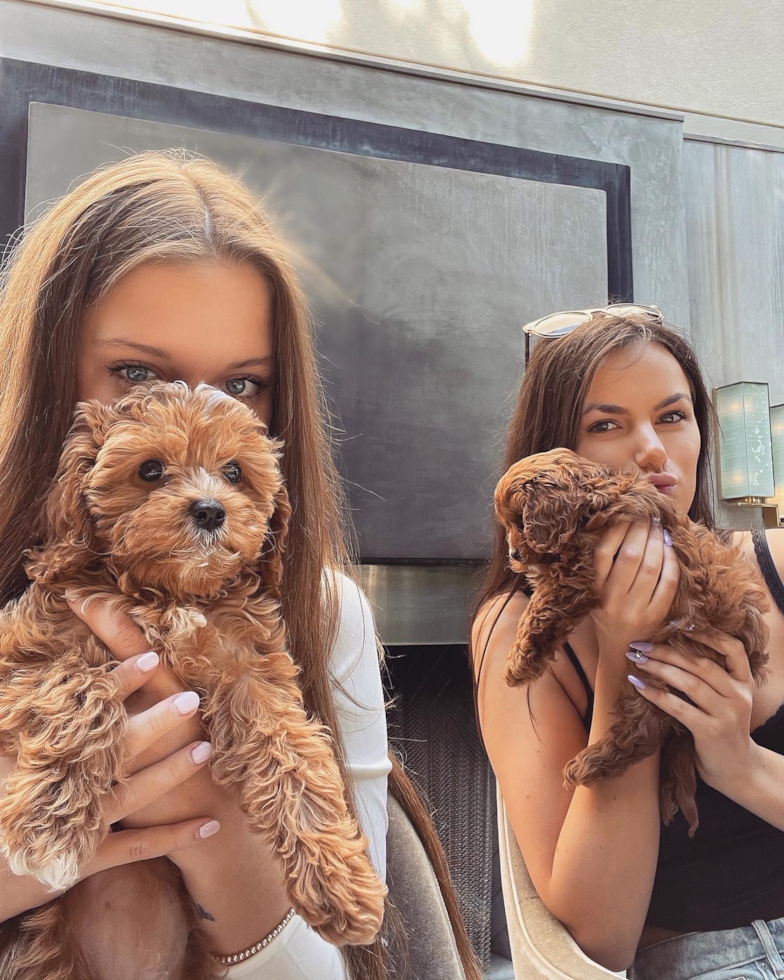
x=625, y=390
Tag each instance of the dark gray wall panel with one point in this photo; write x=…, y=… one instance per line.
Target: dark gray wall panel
x=420, y=278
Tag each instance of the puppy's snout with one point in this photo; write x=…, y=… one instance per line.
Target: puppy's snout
x=208, y=515
x=514, y=555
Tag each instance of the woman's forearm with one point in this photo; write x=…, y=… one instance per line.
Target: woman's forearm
x=605, y=860
x=20, y=893
x=236, y=884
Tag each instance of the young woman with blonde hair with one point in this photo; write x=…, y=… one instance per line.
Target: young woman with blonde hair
x=164, y=267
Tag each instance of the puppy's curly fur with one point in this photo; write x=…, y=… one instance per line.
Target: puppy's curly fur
x=554, y=507
x=170, y=504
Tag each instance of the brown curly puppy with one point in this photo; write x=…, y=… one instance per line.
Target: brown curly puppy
x=554, y=507
x=170, y=504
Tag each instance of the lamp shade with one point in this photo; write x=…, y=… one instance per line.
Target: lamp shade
x=745, y=445
x=777, y=438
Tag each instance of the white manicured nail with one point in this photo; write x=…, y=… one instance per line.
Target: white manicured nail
x=186, y=703
x=201, y=752
x=147, y=661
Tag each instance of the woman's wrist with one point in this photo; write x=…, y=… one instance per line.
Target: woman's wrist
x=747, y=782
x=236, y=884
x=21, y=893
x=612, y=667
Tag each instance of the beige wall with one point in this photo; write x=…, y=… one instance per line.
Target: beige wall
x=711, y=57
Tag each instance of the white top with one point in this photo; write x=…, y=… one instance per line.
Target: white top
x=299, y=953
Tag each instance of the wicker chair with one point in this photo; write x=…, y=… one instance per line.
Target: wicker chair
x=542, y=949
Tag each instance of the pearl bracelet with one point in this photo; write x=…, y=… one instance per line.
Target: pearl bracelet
x=256, y=947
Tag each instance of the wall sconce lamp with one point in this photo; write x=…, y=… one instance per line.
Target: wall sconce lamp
x=745, y=448
x=777, y=437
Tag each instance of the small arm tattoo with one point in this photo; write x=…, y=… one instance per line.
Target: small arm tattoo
x=203, y=913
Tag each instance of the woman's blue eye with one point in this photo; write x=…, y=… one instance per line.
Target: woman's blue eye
x=246, y=388
x=136, y=374
x=237, y=386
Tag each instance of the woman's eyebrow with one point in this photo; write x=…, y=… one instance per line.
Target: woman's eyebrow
x=265, y=361
x=620, y=410
x=142, y=348
x=672, y=399
x=607, y=409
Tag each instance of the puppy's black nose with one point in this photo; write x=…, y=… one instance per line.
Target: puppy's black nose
x=208, y=514
x=515, y=555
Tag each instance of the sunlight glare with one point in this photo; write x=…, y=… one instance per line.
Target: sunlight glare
x=501, y=29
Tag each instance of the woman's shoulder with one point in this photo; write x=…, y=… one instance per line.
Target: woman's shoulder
x=355, y=639
x=775, y=538
x=495, y=626
x=355, y=676
x=354, y=611
x=745, y=542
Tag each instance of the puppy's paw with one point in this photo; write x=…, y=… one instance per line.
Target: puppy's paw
x=570, y=775
x=522, y=667
x=355, y=934
x=588, y=766
x=357, y=927
x=343, y=900
x=57, y=874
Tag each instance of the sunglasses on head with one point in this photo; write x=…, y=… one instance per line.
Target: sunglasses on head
x=560, y=324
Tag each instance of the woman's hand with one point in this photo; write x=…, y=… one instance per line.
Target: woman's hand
x=637, y=576
x=719, y=717
x=158, y=701
x=147, y=783
x=236, y=881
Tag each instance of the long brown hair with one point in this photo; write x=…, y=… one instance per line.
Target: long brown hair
x=173, y=206
x=547, y=415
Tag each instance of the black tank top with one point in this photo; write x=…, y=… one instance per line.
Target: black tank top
x=732, y=871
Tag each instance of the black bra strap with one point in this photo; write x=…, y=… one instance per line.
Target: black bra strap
x=584, y=679
x=768, y=567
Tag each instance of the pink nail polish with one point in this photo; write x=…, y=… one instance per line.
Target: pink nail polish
x=201, y=752
x=208, y=829
x=638, y=658
x=147, y=661
x=185, y=703
x=667, y=537
x=643, y=646
x=640, y=685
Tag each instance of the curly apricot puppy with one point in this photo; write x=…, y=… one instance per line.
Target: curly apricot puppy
x=554, y=507
x=170, y=504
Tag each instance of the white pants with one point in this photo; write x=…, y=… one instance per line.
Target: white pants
x=298, y=953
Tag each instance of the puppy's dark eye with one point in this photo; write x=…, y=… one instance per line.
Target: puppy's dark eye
x=232, y=472
x=151, y=470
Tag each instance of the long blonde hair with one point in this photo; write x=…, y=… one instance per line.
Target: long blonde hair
x=174, y=206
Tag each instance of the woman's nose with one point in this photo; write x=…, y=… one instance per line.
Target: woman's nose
x=650, y=454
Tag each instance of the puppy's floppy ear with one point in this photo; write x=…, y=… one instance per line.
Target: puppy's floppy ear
x=549, y=516
x=271, y=558
x=66, y=527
